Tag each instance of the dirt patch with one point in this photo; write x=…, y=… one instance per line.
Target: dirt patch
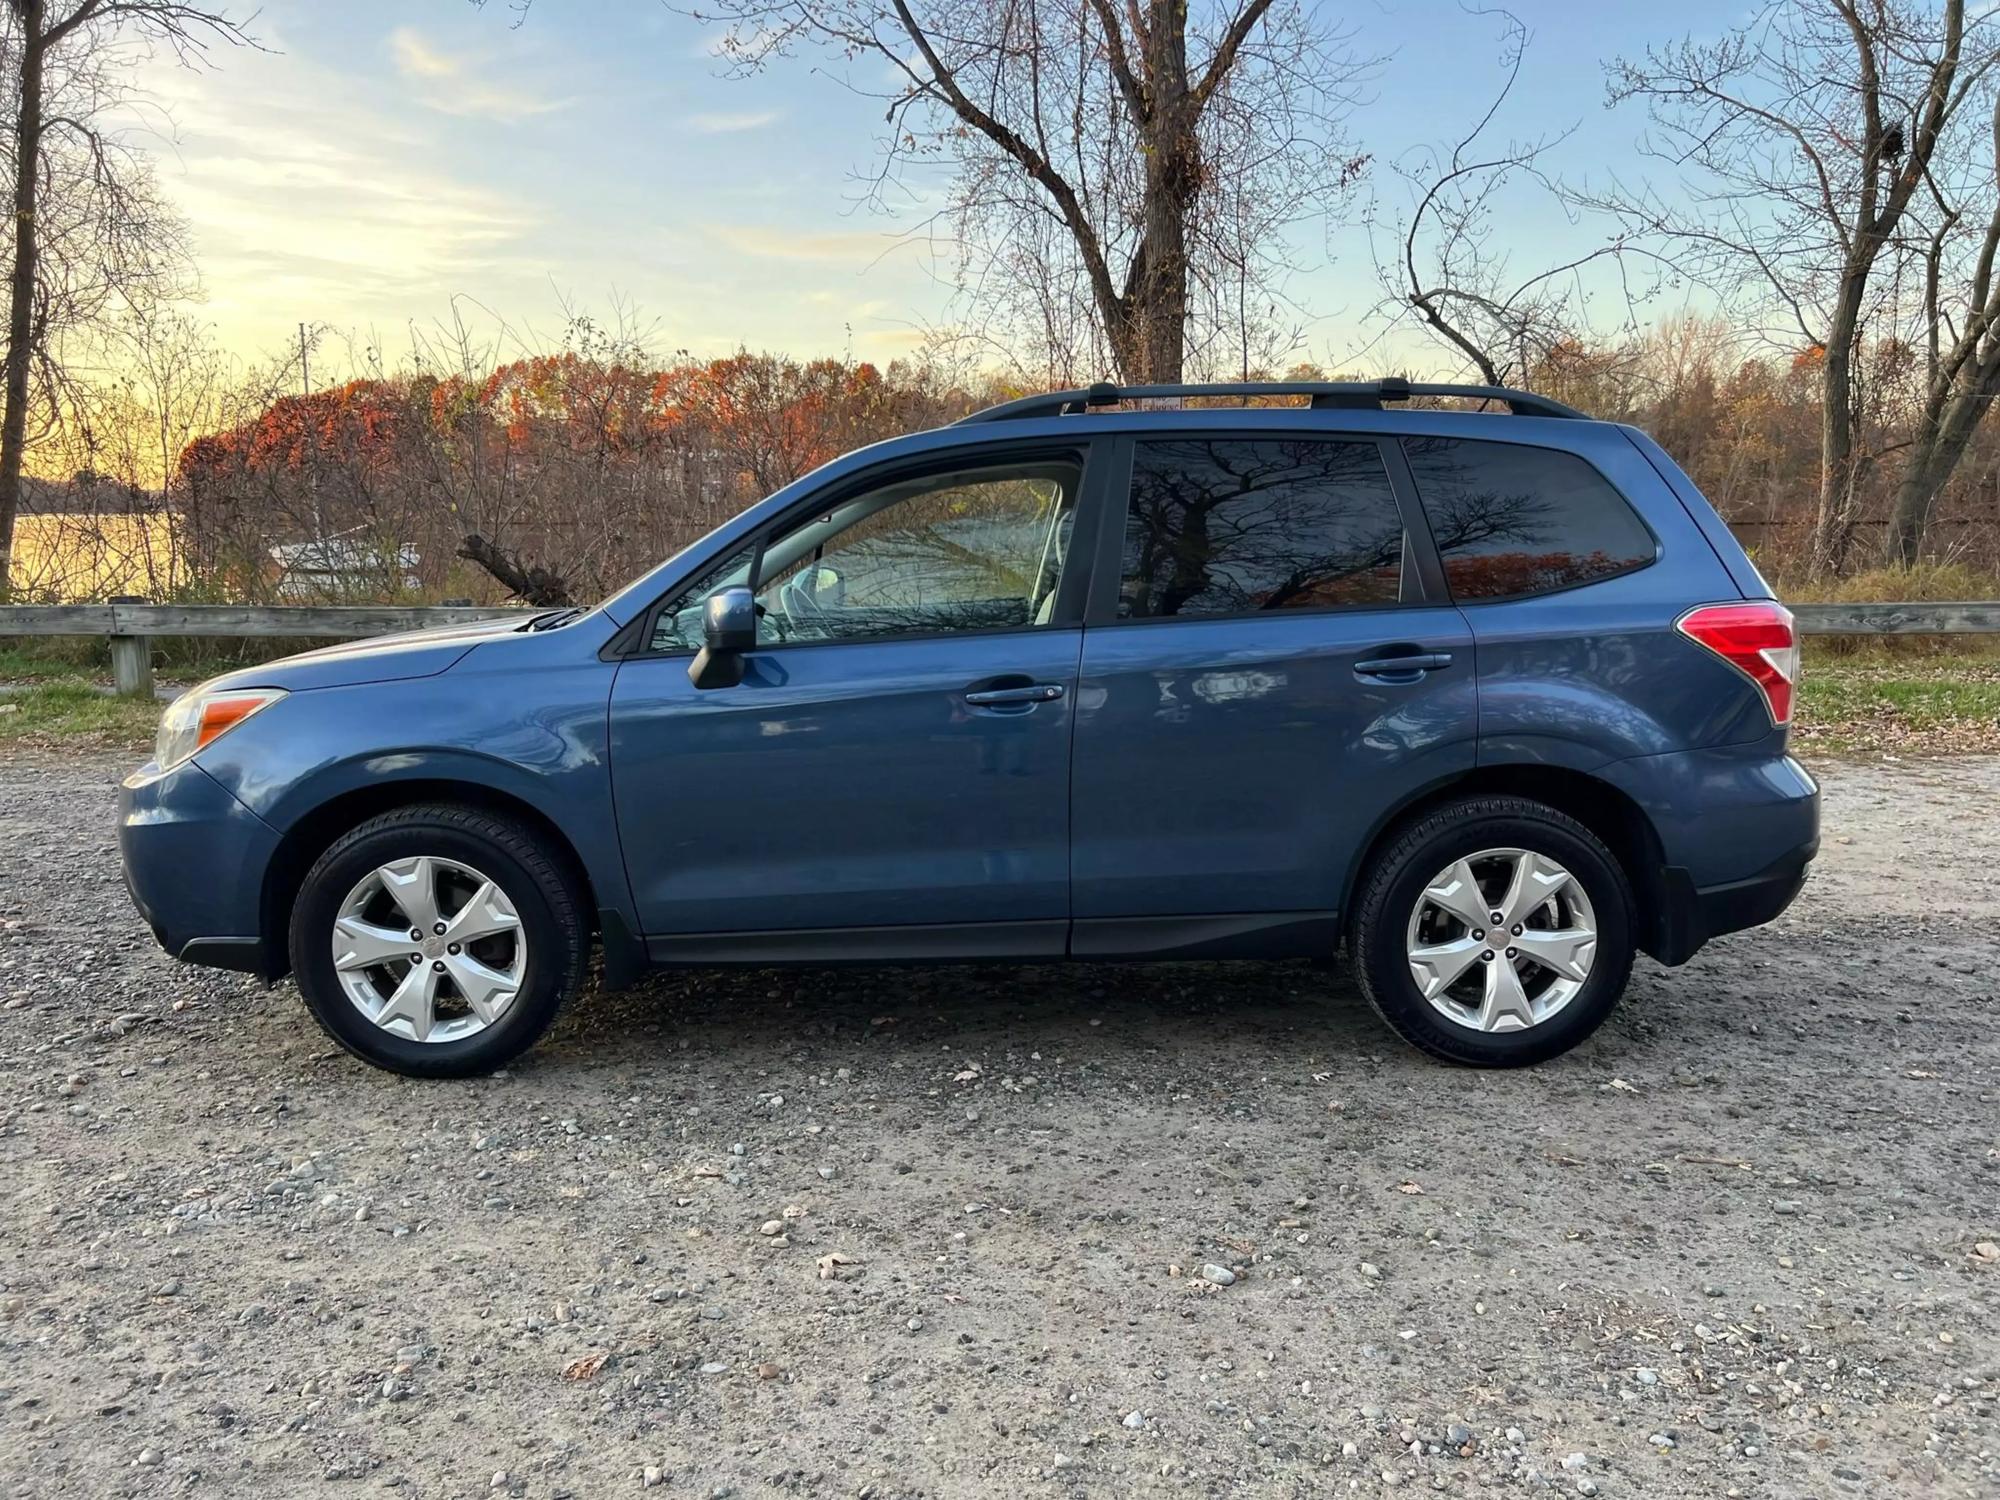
x=915, y=1232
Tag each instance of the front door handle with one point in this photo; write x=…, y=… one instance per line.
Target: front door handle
x=1409, y=668
x=1034, y=692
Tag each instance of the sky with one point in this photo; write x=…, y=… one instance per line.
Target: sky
x=386, y=169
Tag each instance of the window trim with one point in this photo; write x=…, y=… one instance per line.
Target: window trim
x=1108, y=572
x=1444, y=578
x=1087, y=452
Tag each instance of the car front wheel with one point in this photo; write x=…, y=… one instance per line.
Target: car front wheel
x=437, y=941
x=1494, y=932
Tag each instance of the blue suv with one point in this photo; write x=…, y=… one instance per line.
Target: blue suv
x=1490, y=696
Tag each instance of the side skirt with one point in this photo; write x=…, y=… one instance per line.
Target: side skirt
x=1262, y=935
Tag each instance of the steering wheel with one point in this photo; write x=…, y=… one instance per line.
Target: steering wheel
x=804, y=611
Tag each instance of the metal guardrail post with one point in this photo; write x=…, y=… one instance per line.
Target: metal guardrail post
x=131, y=656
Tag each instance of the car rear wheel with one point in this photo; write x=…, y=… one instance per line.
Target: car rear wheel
x=437, y=941
x=1494, y=932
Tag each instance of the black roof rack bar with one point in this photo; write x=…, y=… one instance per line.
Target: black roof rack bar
x=1363, y=395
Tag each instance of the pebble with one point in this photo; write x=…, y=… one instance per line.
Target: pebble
x=1219, y=1275
x=1135, y=1420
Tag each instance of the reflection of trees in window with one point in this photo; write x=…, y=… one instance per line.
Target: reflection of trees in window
x=1231, y=527
x=1511, y=520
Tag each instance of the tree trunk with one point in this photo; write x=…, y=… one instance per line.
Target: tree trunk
x=1173, y=175
x=529, y=582
x=1833, y=524
x=21, y=285
x=1941, y=443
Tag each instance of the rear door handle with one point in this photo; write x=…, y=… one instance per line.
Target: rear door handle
x=1403, y=668
x=1034, y=692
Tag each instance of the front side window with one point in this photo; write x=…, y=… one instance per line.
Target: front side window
x=678, y=625
x=1510, y=520
x=1231, y=526
x=979, y=549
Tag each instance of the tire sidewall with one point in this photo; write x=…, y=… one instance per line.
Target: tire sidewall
x=343, y=866
x=1383, y=945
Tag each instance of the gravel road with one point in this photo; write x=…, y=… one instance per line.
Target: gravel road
x=947, y=1232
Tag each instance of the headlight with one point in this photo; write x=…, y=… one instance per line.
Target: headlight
x=199, y=718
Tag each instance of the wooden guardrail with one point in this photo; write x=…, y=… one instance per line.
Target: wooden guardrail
x=128, y=624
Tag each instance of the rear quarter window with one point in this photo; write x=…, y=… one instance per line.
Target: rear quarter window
x=1512, y=521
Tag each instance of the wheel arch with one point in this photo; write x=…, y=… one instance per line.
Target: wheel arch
x=314, y=831
x=1604, y=809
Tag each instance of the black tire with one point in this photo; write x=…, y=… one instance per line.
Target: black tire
x=1411, y=858
x=544, y=895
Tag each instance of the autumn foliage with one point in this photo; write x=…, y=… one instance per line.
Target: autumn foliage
x=594, y=467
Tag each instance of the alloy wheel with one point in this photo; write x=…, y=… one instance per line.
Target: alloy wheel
x=429, y=949
x=1501, y=940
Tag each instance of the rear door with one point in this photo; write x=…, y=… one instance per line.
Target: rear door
x=1269, y=666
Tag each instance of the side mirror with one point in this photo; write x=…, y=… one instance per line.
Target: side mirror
x=728, y=629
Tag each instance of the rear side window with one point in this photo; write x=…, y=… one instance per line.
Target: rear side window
x=1511, y=520
x=1222, y=526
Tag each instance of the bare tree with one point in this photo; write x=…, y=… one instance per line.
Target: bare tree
x=1959, y=325
x=1123, y=172
x=76, y=183
x=1443, y=264
x=1808, y=138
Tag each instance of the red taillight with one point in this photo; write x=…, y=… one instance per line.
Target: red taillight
x=1756, y=639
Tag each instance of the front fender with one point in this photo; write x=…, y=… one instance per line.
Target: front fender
x=529, y=725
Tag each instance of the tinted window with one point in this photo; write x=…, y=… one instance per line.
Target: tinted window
x=1511, y=520
x=1234, y=526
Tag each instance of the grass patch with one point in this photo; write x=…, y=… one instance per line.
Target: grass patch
x=1927, y=706
x=71, y=712
x=25, y=664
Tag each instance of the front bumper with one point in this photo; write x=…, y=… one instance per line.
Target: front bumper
x=195, y=861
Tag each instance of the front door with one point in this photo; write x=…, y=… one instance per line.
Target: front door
x=1265, y=676
x=891, y=776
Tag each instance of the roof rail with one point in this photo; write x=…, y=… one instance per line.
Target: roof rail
x=1362, y=395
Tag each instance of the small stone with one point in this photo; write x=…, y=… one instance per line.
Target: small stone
x=499, y=1480
x=1586, y=1486
x=1661, y=1441
x=1458, y=1435
x=1218, y=1275
x=1135, y=1420
x=714, y=1367
x=649, y=1476
x=1646, y=1377
x=771, y=1226
x=1576, y=1461
x=769, y=1371
x=1372, y=1271
x=151, y=1458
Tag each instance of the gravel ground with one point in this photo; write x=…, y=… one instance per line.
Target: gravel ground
x=947, y=1232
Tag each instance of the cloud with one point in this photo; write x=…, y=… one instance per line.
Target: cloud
x=728, y=124
x=452, y=87
x=311, y=198
x=416, y=58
